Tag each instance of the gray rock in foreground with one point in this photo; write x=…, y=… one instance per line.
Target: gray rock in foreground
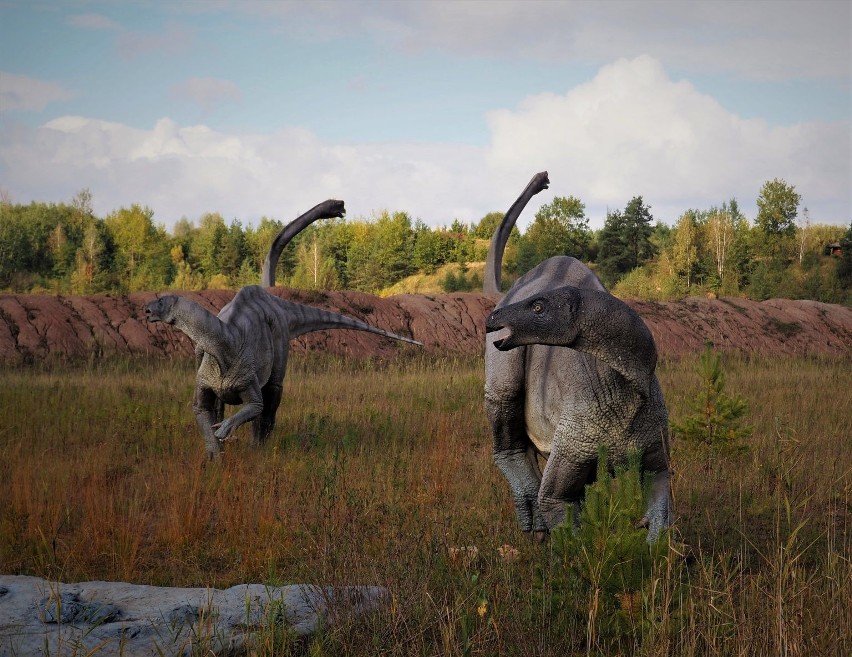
x=106, y=619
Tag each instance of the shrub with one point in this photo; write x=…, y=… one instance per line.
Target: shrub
x=604, y=566
x=717, y=422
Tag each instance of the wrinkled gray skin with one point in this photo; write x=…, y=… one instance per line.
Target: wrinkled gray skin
x=242, y=355
x=568, y=368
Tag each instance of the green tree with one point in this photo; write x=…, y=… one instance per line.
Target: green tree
x=258, y=240
x=394, y=246
x=185, y=278
x=314, y=269
x=93, y=270
x=604, y=569
x=431, y=248
x=363, y=271
x=685, y=246
x=777, y=207
x=721, y=233
x=844, y=267
x=487, y=225
x=206, y=246
x=233, y=249
x=625, y=241
x=613, y=260
x=638, y=231
x=717, y=421
x=559, y=228
x=142, y=250
x=462, y=242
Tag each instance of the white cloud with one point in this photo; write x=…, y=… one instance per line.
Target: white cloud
x=634, y=131
x=807, y=39
x=191, y=170
x=18, y=92
x=206, y=92
x=630, y=131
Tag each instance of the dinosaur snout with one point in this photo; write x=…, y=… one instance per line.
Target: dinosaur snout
x=503, y=338
x=150, y=313
x=493, y=323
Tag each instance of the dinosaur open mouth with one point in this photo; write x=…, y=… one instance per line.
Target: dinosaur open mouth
x=504, y=335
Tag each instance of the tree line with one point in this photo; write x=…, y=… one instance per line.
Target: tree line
x=64, y=248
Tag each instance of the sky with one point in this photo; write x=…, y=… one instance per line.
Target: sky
x=444, y=110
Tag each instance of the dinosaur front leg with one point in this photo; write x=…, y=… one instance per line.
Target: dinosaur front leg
x=252, y=407
x=208, y=410
x=659, y=514
x=513, y=451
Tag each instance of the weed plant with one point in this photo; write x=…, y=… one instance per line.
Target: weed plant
x=381, y=473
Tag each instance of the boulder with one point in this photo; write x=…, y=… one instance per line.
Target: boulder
x=40, y=617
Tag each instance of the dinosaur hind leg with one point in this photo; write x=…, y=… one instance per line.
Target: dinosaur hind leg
x=265, y=423
x=563, y=482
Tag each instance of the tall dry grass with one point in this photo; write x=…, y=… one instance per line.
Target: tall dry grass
x=377, y=472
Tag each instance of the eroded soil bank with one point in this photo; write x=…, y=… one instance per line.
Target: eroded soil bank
x=35, y=328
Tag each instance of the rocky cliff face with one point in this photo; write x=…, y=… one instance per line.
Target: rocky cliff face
x=37, y=328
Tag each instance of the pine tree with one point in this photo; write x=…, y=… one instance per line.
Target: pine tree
x=603, y=554
x=717, y=422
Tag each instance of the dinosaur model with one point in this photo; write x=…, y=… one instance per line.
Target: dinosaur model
x=241, y=353
x=568, y=368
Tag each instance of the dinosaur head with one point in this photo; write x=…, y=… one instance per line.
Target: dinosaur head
x=547, y=318
x=539, y=182
x=332, y=209
x=162, y=309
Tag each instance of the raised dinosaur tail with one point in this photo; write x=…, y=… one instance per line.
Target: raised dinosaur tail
x=329, y=209
x=305, y=319
x=494, y=261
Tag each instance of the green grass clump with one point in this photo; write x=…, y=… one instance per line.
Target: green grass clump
x=381, y=473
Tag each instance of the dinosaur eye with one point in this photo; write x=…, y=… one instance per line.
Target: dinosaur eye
x=537, y=307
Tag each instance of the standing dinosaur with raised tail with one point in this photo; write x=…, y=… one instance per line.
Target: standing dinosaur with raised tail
x=241, y=353
x=568, y=368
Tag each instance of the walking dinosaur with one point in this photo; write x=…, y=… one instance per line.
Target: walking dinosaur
x=568, y=368
x=241, y=353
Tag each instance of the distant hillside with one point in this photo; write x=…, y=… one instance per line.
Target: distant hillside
x=433, y=283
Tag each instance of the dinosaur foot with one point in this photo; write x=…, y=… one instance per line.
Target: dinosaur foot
x=539, y=536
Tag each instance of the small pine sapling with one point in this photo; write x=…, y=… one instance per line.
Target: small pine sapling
x=603, y=554
x=717, y=423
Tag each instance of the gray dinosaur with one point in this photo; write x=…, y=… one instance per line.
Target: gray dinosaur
x=241, y=353
x=568, y=368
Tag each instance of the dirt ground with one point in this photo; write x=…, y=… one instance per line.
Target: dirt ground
x=35, y=328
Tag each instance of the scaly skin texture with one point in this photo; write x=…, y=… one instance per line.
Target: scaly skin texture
x=242, y=355
x=577, y=371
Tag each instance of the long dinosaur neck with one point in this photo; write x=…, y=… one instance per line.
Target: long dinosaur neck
x=306, y=319
x=494, y=261
x=613, y=332
x=324, y=210
x=207, y=332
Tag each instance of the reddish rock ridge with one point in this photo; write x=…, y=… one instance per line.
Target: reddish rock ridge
x=40, y=327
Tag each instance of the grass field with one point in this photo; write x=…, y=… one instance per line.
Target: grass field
x=377, y=473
